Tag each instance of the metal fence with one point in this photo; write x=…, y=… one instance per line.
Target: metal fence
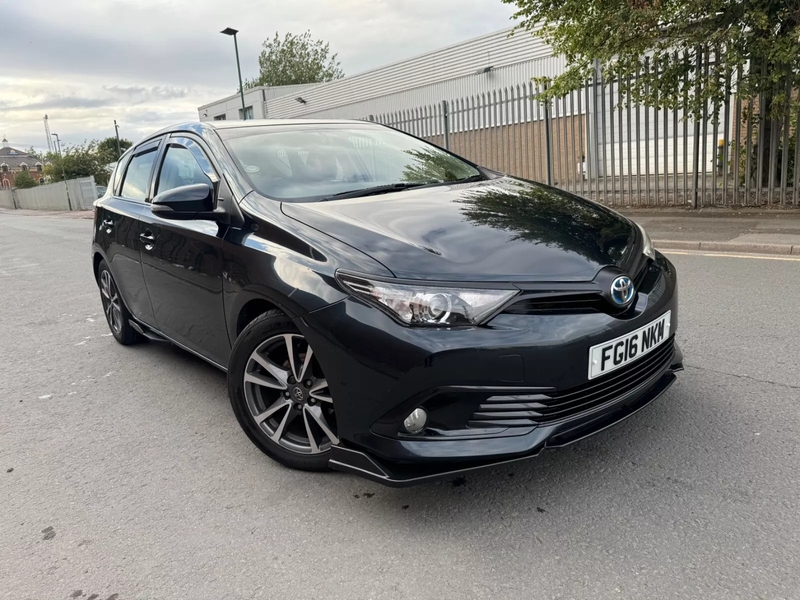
x=75, y=194
x=595, y=142
x=6, y=199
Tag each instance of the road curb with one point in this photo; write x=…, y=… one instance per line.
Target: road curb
x=783, y=249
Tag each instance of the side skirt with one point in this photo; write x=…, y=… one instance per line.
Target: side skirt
x=154, y=335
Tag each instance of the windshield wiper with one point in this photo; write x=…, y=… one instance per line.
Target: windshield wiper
x=470, y=179
x=397, y=187
x=371, y=191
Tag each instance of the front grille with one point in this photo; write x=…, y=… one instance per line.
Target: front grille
x=536, y=409
x=582, y=301
x=551, y=305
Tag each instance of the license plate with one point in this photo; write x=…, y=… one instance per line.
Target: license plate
x=616, y=353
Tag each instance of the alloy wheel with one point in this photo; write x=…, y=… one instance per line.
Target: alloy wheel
x=288, y=396
x=111, y=302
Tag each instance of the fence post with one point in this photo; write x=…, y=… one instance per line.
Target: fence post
x=446, y=125
x=14, y=198
x=696, y=148
x=593, y=147
x=548, y=140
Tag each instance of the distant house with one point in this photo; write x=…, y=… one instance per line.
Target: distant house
x=13, y=161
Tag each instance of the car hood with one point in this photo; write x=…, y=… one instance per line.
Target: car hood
x=498, y=230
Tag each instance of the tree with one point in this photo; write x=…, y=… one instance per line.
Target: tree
x=33, y=153
x=295, y=59
x=24, y=180
x=107, y=149
x=657, y=49
x=77, y=161
x=429, y=165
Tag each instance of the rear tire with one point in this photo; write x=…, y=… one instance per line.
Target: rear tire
x=279, y=394
x=117, y=315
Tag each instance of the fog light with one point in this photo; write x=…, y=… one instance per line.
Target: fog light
x=415, y=422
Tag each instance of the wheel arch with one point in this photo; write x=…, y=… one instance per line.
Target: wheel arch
x=97, y=258
x=252, y=302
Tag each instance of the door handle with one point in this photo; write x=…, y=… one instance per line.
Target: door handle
x=148, y=239
x=107, y=223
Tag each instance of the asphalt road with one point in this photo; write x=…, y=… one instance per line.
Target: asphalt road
x=132, y=480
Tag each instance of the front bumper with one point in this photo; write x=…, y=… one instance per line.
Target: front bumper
x=379, y=371
x=361, y=463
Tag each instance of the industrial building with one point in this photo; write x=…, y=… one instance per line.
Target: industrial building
x=481, y=64
x=477, y=98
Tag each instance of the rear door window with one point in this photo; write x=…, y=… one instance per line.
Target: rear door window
x=116, y=179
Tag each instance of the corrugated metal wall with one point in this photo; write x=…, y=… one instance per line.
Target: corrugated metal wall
x=6, y=199
x=257, y=98
x=461, y=87
x=448, y=72
x=52, y=196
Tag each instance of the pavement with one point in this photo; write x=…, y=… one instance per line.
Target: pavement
x=722, y=230
x=124, y=474
x=63, y=214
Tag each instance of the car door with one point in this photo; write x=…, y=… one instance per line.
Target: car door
x=182, y=260
x=118, y=224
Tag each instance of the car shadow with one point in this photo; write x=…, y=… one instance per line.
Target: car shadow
x=671, y=450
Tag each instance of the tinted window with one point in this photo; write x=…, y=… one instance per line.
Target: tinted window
x=117, y=177
x=180, y=168
x=138, y=175
x=310, y=163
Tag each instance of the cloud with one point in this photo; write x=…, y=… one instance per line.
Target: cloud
x=139, y=93
x=146, y=62
x=54, y=102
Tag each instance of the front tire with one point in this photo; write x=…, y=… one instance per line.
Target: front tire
x=280, y=395
x=114, y=308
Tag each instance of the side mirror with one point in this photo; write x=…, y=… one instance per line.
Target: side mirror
x=194, y=201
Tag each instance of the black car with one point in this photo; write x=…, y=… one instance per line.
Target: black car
x=382, y=306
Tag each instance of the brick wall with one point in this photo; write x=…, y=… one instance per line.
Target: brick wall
x=7, y=179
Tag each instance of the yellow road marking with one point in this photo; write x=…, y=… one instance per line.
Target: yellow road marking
x=726, y=255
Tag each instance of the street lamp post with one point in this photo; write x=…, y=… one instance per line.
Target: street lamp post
x=116, y=129
x=233, y=32
x=63, y=170
x=58, y=143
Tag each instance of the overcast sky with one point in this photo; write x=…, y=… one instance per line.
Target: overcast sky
x=149, y=63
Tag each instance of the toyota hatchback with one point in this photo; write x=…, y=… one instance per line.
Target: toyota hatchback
x=382, y=306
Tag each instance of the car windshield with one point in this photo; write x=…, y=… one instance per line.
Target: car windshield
x=307, y=163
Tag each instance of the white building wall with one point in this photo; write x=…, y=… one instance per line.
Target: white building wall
x=461, y=87
x=434, y=71
x=256, y=97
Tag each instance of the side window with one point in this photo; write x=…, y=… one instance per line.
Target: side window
x=180, y=168
x=138, y=175
x=117, y=177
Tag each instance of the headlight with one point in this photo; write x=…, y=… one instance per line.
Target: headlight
x=648, y=250
x=428, y=305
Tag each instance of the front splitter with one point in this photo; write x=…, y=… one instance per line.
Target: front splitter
x=360, y=463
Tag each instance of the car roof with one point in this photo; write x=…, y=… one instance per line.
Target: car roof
x=205, y=127
x=274, y=122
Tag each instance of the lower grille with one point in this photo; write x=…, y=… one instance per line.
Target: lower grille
x=537, y=409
